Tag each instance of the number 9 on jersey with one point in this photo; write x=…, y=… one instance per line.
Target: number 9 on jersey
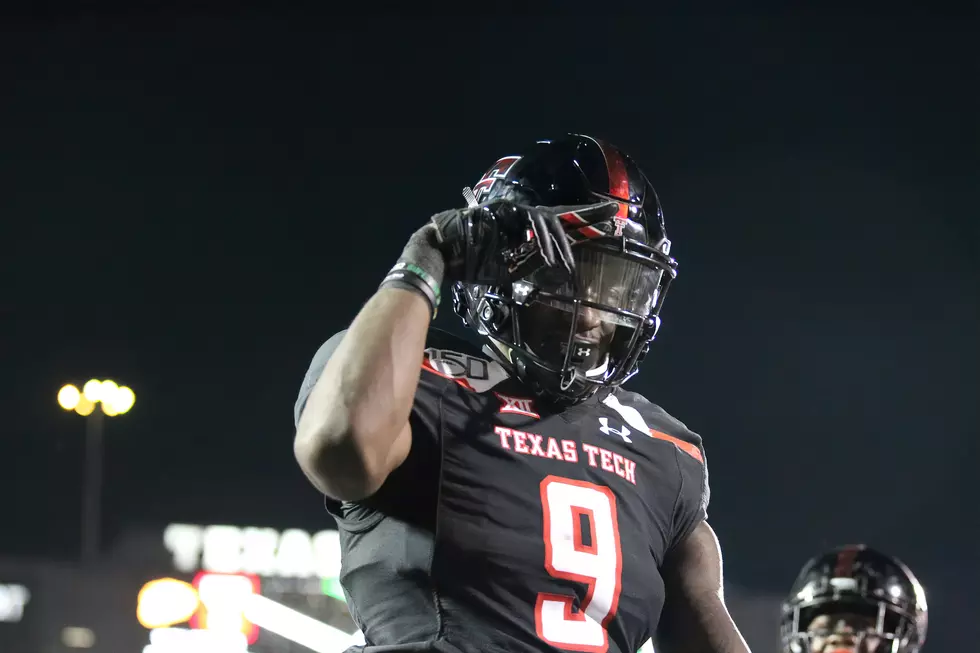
x=581, y=544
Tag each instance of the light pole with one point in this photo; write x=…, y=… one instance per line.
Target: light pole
x=96, y=400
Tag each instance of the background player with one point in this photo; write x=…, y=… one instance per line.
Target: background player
x=854, y=600
x=515, y=498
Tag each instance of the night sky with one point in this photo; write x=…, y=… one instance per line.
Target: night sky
x=190, y=205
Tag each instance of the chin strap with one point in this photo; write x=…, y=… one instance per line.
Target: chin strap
x=499, y=351
x=503, y=354
x=599, y=369
x=568, y=378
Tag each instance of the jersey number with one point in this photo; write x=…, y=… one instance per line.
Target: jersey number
x=581, y=544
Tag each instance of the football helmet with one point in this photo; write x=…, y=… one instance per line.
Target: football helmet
x=874, y=597
x=569, y=335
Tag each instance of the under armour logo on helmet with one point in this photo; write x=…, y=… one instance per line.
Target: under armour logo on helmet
x=607, y=430
x=582, y=352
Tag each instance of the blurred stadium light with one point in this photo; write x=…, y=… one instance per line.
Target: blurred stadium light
x=224, y=612
x=166, y=602
x=95, y=400
x=113, y=398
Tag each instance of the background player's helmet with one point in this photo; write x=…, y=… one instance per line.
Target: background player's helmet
x=623, y=271
x=857, y=580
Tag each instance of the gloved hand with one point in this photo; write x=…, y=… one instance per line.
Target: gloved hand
x=500, y=242
x=492, y=244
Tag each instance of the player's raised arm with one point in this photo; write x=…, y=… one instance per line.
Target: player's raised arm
x=695, y=618
x=353, y=430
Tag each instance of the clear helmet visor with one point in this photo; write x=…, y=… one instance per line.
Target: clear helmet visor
x=614, y=294
x=604, y=281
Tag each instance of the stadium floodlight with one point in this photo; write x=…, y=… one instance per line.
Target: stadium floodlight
x=96, y=399
x=112, y=398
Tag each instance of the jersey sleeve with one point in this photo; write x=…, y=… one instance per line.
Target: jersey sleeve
x=421, y=462
x=695, y=493
x=690, y=505
x=319, y=361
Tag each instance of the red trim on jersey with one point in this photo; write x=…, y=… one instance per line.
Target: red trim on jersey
x=686, y=447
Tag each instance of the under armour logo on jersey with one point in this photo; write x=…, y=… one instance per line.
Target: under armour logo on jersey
x=517, y=406
x=608, y=430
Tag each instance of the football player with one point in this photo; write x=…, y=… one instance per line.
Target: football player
x=517, y=498
x=854, y=599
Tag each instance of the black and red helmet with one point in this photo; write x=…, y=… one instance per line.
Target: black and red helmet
x=623, y=270
x=874, y=595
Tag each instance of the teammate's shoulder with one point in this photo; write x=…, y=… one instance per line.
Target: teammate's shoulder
x=451, y=358
x=654, y=420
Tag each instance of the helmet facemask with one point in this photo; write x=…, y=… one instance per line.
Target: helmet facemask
x=854, y=624
x=569, y=335
x=854, y=598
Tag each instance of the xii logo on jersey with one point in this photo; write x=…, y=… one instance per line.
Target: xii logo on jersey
x=608, y=430
x=517, y=406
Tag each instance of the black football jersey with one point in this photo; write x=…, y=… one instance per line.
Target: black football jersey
x=513, y=529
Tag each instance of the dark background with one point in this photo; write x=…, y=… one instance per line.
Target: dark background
x=191, y=203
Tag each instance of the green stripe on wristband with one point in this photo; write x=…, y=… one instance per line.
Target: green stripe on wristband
x=428, y=278
x=422, y=274
x=411, y=277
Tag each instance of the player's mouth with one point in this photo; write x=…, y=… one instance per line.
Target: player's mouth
x=583, y=349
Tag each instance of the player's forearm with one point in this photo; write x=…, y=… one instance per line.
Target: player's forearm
x=361, y=403
x=703, y=626
x=695, y=618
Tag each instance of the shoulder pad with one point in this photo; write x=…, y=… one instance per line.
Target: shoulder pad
x=458, y=360
x=643, y=415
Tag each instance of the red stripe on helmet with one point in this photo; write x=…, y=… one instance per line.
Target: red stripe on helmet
x=845, y=562
x=619, y=181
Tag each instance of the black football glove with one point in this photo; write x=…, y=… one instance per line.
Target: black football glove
x=500, y=242
x=492, y=244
